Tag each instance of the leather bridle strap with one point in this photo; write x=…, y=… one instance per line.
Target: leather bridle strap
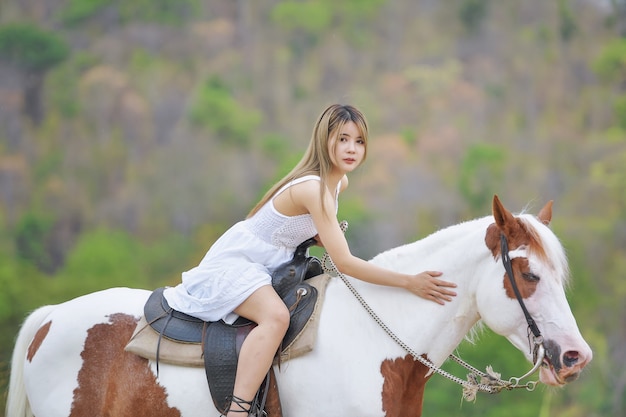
x=506, y=261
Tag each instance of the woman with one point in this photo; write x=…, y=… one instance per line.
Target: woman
x=234, y=278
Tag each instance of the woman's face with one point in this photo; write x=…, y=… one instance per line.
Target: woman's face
x=346, y=148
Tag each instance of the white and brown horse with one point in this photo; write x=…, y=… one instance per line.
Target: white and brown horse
x=69, y=359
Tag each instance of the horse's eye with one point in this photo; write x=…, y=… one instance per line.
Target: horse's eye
x=529, y=276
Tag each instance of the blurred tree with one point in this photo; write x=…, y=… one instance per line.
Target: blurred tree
x=307, y=21
x=33, y=51
x=567, y=22
x=353, y=18
x=608, y=171
x=169, y=12
x=31, y=240
x=76, y=11
x=619, y=16
x=481, y=175
x=276, y=147
x=620, y=111
x=610, y=65
x=216, y=109
x=472, y=14
x=309, y=18
x=65, y=78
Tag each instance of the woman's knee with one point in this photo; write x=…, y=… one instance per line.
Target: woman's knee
x=264, y=307
x=279, y=317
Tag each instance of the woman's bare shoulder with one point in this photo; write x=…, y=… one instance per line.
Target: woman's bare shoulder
x=308, y=194
x=307, y=189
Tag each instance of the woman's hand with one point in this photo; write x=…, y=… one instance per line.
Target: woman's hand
x=427, y=286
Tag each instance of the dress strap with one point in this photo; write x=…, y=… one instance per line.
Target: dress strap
x=296, y=181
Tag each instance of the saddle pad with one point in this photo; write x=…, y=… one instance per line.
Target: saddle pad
x=304, y=341
x=145, y=339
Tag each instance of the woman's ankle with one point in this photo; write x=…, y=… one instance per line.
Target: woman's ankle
x=238, y=406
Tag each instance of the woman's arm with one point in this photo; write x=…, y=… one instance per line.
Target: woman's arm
x=425, y=284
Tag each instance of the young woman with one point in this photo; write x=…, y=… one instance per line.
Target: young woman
x=234, y=278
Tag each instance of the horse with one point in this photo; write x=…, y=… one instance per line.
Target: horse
x=69, y=359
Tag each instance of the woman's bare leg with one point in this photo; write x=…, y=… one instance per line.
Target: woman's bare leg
x=265, y=308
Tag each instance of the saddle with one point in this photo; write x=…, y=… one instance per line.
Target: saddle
x=221, y=341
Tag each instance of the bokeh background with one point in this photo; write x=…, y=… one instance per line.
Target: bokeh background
x=132, y=133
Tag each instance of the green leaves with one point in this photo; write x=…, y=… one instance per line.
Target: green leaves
x=215, y=108
x=106, y=258
x=611, y=63
x=32, y=240
x=172, y=12
x=31, y=48
x=481, y=174
x=313, y=17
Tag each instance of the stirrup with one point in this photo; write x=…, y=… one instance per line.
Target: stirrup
x=239, y=402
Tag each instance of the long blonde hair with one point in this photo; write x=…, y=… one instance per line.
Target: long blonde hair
x=316, y=160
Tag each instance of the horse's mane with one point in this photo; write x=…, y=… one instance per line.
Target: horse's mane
x=434, y=241
x=544, y=243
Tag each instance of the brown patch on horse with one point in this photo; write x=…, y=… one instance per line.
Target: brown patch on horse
x=403, y=386
x=113, y=382
x=518, y=231
x=526, y=287
x=38, y=340
x=519, y=266
x=518, y=234
x=273, y=406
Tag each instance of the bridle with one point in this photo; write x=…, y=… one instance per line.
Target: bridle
x=537, y=338
x=488, y=381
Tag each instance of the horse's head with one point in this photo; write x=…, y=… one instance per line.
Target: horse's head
x=539, y=266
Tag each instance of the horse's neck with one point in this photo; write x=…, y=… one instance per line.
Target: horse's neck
x=429, y=327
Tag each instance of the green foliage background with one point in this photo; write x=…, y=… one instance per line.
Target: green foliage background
x=133, y=133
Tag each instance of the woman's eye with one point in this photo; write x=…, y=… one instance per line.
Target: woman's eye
x=529, y=276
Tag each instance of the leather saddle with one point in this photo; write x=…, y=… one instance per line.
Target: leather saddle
x=222, y=341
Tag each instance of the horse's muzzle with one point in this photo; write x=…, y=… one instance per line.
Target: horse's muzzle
x=561, y=368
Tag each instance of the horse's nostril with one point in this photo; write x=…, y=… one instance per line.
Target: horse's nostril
x=570, y=358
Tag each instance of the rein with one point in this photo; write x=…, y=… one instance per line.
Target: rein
x=488, y=381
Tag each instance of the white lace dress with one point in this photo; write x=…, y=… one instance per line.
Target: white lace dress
x=241, y=261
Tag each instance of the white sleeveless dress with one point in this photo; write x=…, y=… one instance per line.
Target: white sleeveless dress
x=241, y=261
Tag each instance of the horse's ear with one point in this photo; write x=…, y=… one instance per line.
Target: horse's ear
x=545, y=214
x=501, y=215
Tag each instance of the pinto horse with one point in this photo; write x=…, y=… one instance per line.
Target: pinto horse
x=69, y=359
